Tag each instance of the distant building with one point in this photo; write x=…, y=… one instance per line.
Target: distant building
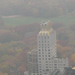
x=33, y=62
x=46, y=53
x=69, y=71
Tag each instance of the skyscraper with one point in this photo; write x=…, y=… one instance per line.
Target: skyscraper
x=46, y=51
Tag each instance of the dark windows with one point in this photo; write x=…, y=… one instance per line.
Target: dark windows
x=39, y=55
x=45, y=55
x=42, y=55
x=49, y=58
x=45, y=37
x=39, y=61
x=48, y=55
x=46, y=61
x=46, y=58
x=42, y=52
x=49, y=50
x=40, y=66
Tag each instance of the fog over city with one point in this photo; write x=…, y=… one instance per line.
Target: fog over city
x=37, y=37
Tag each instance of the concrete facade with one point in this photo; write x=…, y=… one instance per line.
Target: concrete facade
x=46, y=52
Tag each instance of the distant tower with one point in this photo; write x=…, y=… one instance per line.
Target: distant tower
x=46, y=46
x=44, y=61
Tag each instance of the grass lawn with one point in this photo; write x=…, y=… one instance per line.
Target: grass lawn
x=67, y=20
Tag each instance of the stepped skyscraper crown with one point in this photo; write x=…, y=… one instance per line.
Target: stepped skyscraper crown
x=46, y=28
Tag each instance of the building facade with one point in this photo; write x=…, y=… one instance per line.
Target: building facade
x=32, y=62
x=46, y=51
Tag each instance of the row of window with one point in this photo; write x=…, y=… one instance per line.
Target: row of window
x=46, y=45
x=44, y=52
x=44, y=58
x=44, y=41
x=43, y=49
x=46, y=37
x=52, y=67
x=44, y=55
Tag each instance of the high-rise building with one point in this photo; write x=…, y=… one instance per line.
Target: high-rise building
x=32, y=62
x=46, y=51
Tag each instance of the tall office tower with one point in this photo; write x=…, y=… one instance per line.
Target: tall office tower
x=46, y=51
x=44, y=61
x=46, y=46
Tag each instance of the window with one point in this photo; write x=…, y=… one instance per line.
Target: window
x=30, y=55
x=39, y=66
x=43, y=58
x=64, y=64
x=45, y=37
x=42, y=52
x=46, y=58
x=48, y=55
x=49, y=50
x=39, y=50
x=45, y=55
x=55, y=61
x=55, y=65
x=36, y=59
x=49, y=58
x=46, y=61
x=39, y=55
x=42, y=55
x=47, y=69
x=46, y=66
